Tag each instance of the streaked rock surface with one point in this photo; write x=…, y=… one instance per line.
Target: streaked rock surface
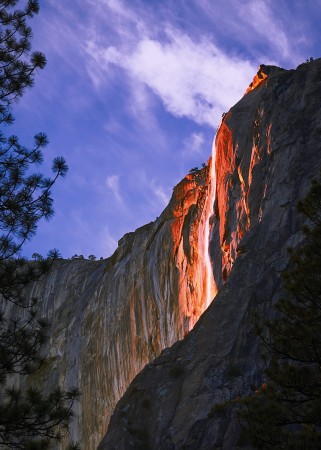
x=268, y=149
x=110, y=318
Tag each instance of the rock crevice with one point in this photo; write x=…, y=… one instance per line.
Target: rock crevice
x=267, y=153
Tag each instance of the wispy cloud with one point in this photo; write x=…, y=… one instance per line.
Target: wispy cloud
x=160, y=194
x=193, y=79
x=270, y=32
x=112, y=182
x=267, y=26
x=194, y=144
x=140, y=106
x=108, y=241
x=155, y=195
x=120, y=73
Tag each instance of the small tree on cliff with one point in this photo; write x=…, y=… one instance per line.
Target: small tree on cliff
x=286, y=410
x=28, y=420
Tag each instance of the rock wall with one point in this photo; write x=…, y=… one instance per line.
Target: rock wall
x=268, y=149
x=110, y=318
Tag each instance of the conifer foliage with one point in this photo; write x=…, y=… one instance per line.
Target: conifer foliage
x=286, y=411
x=30, y=419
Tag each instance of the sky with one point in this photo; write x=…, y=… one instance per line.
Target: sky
x=132, y=95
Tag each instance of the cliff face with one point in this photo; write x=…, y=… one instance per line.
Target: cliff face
x=110, y=318
x=267, y=152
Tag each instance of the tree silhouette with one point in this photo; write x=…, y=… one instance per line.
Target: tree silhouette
x=286, y=410
x=31, y=419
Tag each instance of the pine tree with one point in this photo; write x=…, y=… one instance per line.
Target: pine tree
x=31, y=419
x=286, y=411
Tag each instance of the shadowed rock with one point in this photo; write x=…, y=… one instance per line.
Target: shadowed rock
x=267, y=152
x=109, y=318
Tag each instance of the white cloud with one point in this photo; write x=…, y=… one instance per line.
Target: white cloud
x=258, y=15
x=160, y=194
x=193, y=79
x=140, y=106
x=271, y=32
x=194, y=144
x=112, y=182
x=108, y=242
x=156, y=196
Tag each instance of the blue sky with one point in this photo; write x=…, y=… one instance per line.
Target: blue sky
x=132, y=94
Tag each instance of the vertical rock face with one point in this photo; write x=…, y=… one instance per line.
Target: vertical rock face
x=110, y=318
x=267, y=152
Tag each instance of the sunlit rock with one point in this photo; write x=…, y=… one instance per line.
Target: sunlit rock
x=261, y=75
x=110, y=318
x=267, y=153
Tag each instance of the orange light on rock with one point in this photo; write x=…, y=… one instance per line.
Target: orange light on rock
x=191, y=207
x=258, y=79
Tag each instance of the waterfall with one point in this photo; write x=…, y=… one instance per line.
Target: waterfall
x=211, y=289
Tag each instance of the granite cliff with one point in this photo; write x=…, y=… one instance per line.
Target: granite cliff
x=141, y=309
x=109, y=318
x=267, y=152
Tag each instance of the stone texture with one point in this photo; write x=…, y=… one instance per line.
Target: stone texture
x=267, y=152
x=110, y=318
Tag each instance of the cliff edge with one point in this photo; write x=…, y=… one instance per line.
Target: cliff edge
x=267, y=153
x=109, y=318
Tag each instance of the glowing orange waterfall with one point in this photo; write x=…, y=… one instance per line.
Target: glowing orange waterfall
x=192, y=208
x=211, y=289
